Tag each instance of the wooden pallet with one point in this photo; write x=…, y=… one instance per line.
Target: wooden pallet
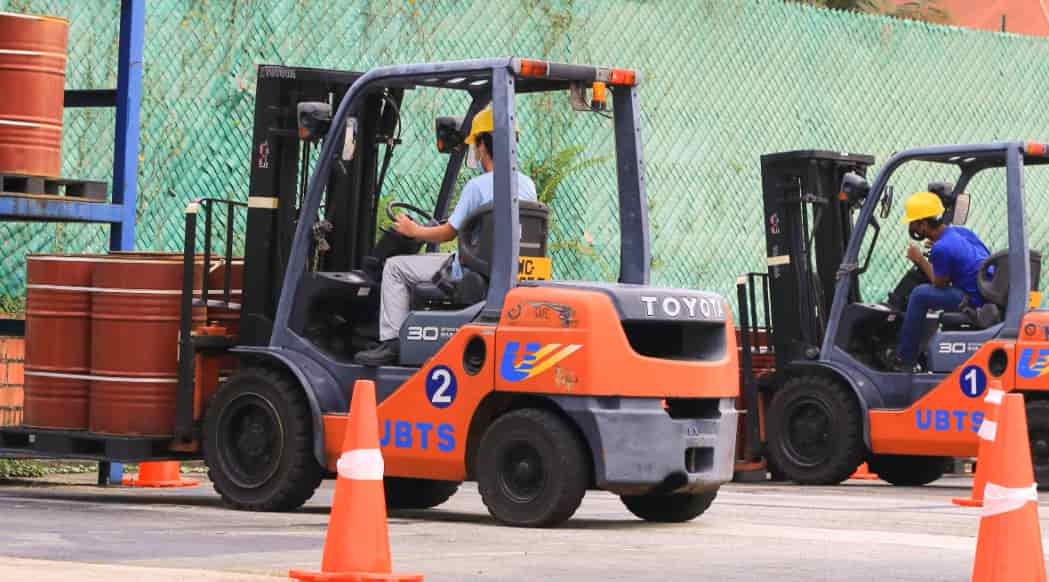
x=91, y=190
x=27, y=442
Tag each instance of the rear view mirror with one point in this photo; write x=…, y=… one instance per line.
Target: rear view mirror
x=961, y=209
x=314, y=119
x=349, y=140
x=886, y=202
x=449, y=134
x=854, y=189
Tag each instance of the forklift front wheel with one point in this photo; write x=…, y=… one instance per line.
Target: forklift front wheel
x=908, y=470
x=532, y=469
x=258, y=442
x=815, y=431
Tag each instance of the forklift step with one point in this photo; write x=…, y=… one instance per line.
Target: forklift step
x=89, y=190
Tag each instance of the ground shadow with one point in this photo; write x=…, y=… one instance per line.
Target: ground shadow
x=125, y=497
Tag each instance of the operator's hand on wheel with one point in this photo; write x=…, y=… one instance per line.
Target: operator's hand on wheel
x=928, y=243
x=405, y=226
x=914, y=253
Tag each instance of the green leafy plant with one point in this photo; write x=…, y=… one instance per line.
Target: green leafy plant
x=14, y=469
x=12, y=305
x=549, y=172
x=921, y=10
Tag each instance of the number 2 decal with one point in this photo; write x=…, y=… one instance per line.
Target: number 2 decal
x=441, y=386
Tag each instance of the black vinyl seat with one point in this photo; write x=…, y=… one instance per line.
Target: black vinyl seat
x=476, y=242
x=993, y=282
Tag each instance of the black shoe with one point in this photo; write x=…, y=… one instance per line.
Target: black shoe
x=384, y=354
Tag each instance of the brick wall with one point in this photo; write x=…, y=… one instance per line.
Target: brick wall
x=12, y=358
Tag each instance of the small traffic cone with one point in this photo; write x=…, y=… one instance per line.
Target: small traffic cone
x=159, y=474
x=988, y=428
x=863, y=472
x=1009, y=547
x=357, y=547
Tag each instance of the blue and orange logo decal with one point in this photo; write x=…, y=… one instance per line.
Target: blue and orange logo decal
x=1033, y=363
x=534, y=359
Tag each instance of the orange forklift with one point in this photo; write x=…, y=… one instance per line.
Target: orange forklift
x=822, y=393
x=538, y=390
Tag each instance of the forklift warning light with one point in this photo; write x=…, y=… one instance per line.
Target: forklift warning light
x=534, y=68
x=538, y=68
x=1036, y=149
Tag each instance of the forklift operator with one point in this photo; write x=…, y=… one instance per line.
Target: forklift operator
x=954, y=260
x=402, y=272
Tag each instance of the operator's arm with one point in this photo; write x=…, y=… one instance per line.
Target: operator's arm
x=919, y=260
x=469, y=200
x=438, y=234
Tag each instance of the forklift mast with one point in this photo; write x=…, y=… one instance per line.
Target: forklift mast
x=807, y=227
x=283, y=150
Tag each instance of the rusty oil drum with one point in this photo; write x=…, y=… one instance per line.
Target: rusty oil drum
x=135, y=317
x=32, y=83
x=58, y=336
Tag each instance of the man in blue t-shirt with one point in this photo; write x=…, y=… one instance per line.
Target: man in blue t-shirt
x=402, y=272
x=952, y=267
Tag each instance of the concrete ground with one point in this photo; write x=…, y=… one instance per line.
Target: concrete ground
x=52, y=531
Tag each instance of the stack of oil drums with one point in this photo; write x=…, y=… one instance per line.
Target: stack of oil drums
x=32, y=83
x=102, y=341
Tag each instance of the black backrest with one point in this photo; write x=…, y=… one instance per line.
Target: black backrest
x=476, y=240
x=993, y=276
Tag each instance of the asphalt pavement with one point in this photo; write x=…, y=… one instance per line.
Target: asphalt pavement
x=862, y=530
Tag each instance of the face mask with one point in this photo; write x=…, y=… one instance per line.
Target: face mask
x=472, y=161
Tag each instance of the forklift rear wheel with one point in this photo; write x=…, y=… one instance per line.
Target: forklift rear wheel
x=908, y=470
x=1038, y=434
x=673, y=508
x=258, y=442
x=532, y=469
x=407, y=493
x=815, y=431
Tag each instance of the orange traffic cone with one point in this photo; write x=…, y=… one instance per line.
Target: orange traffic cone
x=988, y=428
x=159, y=474
x=1009, y=548
x=357, y=547
x=863, y=472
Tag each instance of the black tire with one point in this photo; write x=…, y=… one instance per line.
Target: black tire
x=1038, y=434
x=673, y=508
x=815, y=431
x=258, y=442
x=532, y=469
x=908, y=470
x=406, y=493
x=775, y=473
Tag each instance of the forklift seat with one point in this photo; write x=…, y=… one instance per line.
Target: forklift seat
x=993, y=281
x=476, y=241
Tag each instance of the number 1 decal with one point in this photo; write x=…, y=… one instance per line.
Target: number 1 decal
x=973, y=381
x=441, y=386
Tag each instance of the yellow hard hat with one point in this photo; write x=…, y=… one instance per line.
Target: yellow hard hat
x=922, y=205
x=484, y=122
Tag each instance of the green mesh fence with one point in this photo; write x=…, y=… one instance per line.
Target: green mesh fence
x=723, y=82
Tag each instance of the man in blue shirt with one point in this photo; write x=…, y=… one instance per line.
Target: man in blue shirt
x=953, y=264
x=404, y=271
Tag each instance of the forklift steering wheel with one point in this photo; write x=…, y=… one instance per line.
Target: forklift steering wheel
x=420, y=216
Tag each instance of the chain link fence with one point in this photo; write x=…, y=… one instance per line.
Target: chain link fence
x=723, y=81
